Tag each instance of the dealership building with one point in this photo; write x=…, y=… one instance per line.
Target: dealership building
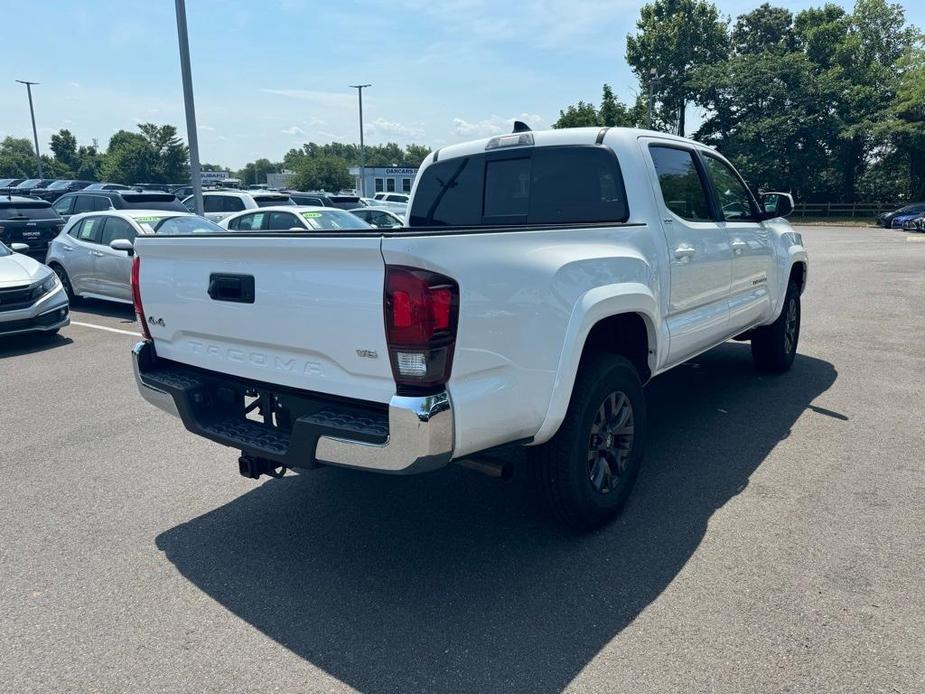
x=385, y=179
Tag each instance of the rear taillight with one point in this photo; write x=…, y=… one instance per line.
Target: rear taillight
x=136, y=297
x=421, y=313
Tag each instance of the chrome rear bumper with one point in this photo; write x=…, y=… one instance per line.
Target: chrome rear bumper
x=415, y=435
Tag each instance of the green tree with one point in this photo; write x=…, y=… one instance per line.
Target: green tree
x=321, y=172
x=763, y=29
x=578, y=115
x=674, y=38
x=129, y=159
x=170, y=153
x=64, y=146
x=415, y=154
x=17, y=158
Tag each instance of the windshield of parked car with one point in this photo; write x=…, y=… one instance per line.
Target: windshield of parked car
x=59, y=184
x=28, y=210
x=31, y=183
x=4, y=250
x=185, y=224
x=333, y=220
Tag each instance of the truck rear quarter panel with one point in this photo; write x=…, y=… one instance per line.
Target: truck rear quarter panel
x=527, y=300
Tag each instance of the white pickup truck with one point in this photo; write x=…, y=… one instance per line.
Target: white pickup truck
x=543, y=278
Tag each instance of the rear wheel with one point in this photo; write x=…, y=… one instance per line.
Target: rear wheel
x=775, y=346
x=589, y=467
x=66, y=283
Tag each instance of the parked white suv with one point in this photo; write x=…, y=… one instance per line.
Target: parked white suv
x=543, y=279
x=218, y=204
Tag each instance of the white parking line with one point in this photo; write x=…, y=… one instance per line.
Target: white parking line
x=103, y=327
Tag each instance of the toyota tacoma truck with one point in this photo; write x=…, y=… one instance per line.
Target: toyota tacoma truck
x=542, y=280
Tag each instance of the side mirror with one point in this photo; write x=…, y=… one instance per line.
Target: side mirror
x=775, y=204
x=122, y=245
x=374, y=226
x=19, y=247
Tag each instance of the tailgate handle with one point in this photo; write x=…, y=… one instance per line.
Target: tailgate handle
x=238, y=288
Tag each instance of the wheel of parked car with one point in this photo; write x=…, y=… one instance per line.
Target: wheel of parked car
x=589, y=467
x=66, y=283
x=775, y=346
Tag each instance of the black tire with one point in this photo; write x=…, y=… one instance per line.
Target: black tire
x=570, y=466
x=775, y=346
x=66, y=283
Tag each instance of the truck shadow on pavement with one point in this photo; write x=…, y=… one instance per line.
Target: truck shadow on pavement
x=456, y=582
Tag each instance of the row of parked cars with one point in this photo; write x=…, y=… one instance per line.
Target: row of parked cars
x=909, y=218
x=55, y=253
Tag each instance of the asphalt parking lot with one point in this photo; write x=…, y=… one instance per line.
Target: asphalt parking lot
x=775, y=541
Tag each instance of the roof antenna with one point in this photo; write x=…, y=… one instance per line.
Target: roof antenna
x=521, y=127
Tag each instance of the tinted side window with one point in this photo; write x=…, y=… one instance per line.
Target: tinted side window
x=211, y=203
x=731, y=194
x=680, y=182
x=280, y=221
x=232, y=204
x=117, y=229
x=449, y=194
x=84, y=204
x=64, y=206
x=572, y=185
x=101, y=203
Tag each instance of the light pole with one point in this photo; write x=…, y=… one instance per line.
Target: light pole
x=653, y=78
x=191, y=134
x=35, y=133
x=360, y=88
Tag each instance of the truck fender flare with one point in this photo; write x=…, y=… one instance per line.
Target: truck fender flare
x=591, y=308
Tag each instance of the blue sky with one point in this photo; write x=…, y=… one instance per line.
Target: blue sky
x=272, y=74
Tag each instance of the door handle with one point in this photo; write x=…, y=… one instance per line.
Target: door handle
x=98, y=254
x=737, y=246
x=68, y=249
x=684, y=252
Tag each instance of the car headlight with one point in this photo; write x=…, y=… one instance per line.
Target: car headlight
x=49, y=284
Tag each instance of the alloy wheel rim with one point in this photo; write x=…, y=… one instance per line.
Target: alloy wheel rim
x=610, y=443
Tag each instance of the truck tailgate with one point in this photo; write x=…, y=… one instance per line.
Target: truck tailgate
x=314, y=320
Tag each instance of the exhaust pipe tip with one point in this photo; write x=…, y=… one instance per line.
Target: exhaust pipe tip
x=491, y=467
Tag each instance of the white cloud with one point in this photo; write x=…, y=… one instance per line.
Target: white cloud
x=380, y=127
x=207, y=128
x=495, y=125
x=292, y=130
x=75, y=85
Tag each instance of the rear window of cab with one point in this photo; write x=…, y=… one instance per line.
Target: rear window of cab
x=546, y=185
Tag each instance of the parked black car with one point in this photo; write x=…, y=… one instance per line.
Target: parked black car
x=344, y=202
x=29, y=221
x=7, y=183
x=98, y=200
x=26, y=187
x=59, y=188
x=885, y=219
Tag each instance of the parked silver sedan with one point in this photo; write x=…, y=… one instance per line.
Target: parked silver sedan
x=93, y=254
x=31, y=297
